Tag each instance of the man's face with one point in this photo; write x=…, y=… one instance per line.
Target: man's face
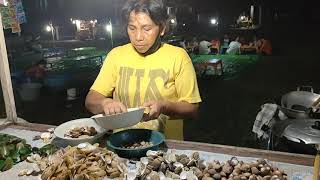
x=142, y=31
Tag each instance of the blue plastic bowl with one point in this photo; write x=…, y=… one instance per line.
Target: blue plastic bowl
x=116, y=141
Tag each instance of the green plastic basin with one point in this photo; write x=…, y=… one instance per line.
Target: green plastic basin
x=116, y=142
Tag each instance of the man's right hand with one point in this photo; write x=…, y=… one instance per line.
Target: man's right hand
x=111, y=107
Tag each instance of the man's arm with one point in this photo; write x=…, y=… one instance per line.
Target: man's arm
x=175, y=110
x=182, y=110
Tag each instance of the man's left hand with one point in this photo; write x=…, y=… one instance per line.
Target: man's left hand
x=155, y=109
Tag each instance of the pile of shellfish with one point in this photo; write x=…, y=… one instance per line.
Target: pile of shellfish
x=160, y=165
x=238, y=170
x=81, y=132
x=85, y=161
x=139, y=145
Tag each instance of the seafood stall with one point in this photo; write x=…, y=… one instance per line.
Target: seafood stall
x=173, y=160
x=83, y=150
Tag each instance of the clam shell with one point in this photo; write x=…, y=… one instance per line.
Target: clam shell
x=196, y=156
x=172, y=175
x=234, y=161
x=201, y=164
x=50, y=130
x=82, y=145
x=171, y=158
x=154, y=176
x=185, y=161
x=163, y=167
x=46, y=135
x=188, y=175
x=178, y=164
x=178, y=170
x=25, y=172
x=144, y=160
x=151, y=153
x=131, y=176
x=227, y=169
x=115, y=174
x=162, y=176
x=34, y=158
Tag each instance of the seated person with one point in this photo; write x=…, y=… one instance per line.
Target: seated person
x=193, y=46
x=234, y=47
x=247, y=46
x=215, y=45
x=204, y=47
x=264, y=47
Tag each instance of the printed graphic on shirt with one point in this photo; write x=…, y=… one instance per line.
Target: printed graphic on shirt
x=128, y=75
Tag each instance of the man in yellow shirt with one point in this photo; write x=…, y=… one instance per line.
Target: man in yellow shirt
x=147, y=73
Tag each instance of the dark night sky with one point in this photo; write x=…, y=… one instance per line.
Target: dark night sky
x=61, y=10
x=97, y=8
x=104, y=8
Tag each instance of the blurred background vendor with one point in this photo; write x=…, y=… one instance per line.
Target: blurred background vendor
x=263, y=46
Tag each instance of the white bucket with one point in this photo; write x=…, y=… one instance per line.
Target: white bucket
x=30, y=91
x=71, y=93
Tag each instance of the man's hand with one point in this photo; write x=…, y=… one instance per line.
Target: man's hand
x=111, y=107
x=155, y=109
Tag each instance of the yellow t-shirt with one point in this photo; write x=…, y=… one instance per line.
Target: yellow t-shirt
x=132, y=79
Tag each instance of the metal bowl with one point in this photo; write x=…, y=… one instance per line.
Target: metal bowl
x=117, y=141
x=298, y=104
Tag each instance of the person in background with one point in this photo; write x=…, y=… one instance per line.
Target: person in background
x=204, y=46
x=194, y=41
x=182, y=44
x=226, y=40
x=36, y=72
x=234, y=47
x=193, y=46
x=147, y=73
x=215, y=46
x=263, y=46
x=225, y=44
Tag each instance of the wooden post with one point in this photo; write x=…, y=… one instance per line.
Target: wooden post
x=252, y=9
x=6, y=79
x=260, y=15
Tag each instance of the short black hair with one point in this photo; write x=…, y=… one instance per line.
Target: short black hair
x=154, y=8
